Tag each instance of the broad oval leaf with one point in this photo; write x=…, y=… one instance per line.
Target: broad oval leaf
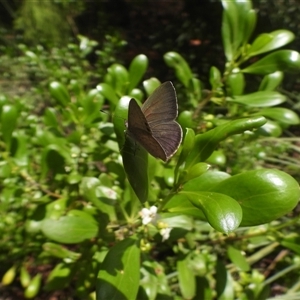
x=222, y=212
x=119, y=276
x=264, y=195
x=70, y=229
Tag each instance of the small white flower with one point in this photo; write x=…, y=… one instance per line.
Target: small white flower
x=165, y=233
x=148, y=215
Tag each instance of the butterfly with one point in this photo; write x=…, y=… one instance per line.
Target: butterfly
x=153, y=125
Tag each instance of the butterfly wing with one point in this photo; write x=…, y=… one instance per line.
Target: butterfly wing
x=160, y=111
x=138, y=128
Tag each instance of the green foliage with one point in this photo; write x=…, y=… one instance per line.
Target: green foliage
x=113, y=222
x=34, y=18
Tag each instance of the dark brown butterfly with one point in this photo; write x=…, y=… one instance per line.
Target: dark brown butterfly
x=153, y=125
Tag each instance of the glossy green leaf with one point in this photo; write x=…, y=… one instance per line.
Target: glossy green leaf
x=236, y=83
x=259, y=99
x=271, y=81
x=9, y=118
x=250, y=24
x=24, y=277
x=270, y=129
x=264, y=194
x=34, y=287
x=222, y=212
x=215, y=78
x=59, y=277
x=229, y=26
x=59, y=92
x=195, y=171
x=137, y=70
x=70, y=229
x=137, y=94
x=108, y=93
x=151, y=84
x=270, y=41
x=135, y=161
x=217, y=158
x=238, y=259
x=118, y=278
x=281, y=60
x=280, y=114
x=186, y=278
x=59, y=251
x=185, y=119
x=181, y=67
x=119, y=79
x=206, y=143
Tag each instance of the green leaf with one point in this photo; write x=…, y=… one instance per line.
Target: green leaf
x=195, y=171
x=59, y=251
x=137, y=70
x=9, y=118
x=292, y=242
x=215, y=78
x=135, y=161
x=119, y=275
x=250, y=23
x=186, y=278
x=281, y=60
x=34, y=287
x=270, y=129
x=119, y=79
x=222, y=212
x=59, y=277
x=236, y=82
x=151, y=84
x=181, y=67
x=21, y=155
x=270, y=41
x=70, y=229
x=271, y=81
x=59, y=92
x=238, y=259
x=217, y=158
x=102, y=196
x=108, y=93
x=206, y=143
x=229, y=25
x=280, y=114
x=264, y=194
x=259, y=99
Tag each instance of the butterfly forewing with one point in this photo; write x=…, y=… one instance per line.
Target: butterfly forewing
x=139, y=130
x=153, y=126
x=162, y=104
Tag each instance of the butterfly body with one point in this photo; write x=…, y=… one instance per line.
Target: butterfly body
x=153, y=125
